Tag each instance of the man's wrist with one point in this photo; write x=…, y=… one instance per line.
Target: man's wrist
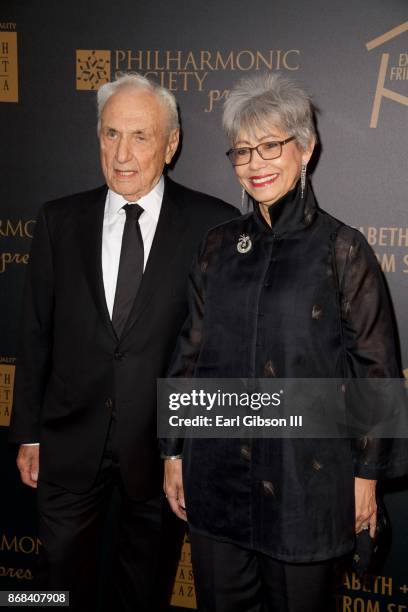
x=170, y=457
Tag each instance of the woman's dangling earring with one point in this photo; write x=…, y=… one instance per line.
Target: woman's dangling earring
x=303, y=179
x=242, y=198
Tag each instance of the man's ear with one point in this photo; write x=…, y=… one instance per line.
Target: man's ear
x=172, y=144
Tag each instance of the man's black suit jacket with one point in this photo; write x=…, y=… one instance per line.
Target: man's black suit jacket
x=72, y=370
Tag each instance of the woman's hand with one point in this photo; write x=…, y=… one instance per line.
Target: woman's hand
x=366, y=505
x=173, y=486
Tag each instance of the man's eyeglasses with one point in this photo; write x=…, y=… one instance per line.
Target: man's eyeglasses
x=267, y=150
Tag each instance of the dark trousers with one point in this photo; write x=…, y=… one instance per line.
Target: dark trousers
x=144, y=548
x=229, y=578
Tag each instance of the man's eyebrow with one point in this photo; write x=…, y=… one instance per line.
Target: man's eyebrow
x=141, y=131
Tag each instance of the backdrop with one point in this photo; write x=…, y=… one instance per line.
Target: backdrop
x=353, y=59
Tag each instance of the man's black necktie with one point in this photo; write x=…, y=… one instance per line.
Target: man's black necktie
x=130, y=268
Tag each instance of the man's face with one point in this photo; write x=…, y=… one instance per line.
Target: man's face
x=135, y=142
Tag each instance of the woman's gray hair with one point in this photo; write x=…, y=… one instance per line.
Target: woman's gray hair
x=260, y=101
x=138, y=82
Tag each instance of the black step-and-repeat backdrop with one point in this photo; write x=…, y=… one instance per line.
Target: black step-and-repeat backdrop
x=351, y=56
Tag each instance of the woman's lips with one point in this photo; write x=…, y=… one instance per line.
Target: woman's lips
x=263, y=181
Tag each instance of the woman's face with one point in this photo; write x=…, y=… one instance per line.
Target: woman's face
x=268, y=180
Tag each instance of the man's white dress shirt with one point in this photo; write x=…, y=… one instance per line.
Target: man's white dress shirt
x=113, y=225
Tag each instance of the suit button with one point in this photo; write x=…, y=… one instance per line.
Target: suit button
x=109, y=403
x=246, y=452
x=118, y=356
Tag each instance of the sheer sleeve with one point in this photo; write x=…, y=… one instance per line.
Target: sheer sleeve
x=370, y=344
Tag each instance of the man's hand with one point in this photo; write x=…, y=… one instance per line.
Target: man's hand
x=173, y=487
x=28, y=462
x=366, y=505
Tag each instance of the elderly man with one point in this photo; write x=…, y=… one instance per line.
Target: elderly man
x=104, y=301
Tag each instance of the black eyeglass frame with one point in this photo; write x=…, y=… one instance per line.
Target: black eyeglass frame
x=251, y=149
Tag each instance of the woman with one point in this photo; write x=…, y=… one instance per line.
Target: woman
x=286, y=291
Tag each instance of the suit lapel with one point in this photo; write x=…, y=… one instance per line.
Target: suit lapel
x=167, y=240
x=90, y=242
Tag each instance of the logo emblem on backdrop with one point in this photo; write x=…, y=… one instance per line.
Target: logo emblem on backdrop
x=183, y=589
x=93, y=69
x=181, y=70
x=6, y=392
x=8, y=67
x=395, y=72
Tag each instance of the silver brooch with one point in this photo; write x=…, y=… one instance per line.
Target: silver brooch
x=244, y=244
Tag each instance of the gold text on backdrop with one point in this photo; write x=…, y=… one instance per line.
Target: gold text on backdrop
x=398, y=72
x=179, y=70
x=6, y=392
x=8, y=64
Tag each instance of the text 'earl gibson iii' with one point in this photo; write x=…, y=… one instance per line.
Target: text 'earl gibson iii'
x=237, y=421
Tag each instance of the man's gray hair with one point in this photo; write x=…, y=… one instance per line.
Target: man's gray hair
x=133, y=80
x=261, y=101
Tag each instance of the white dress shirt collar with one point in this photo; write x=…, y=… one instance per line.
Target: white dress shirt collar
x=151, y=202
x=113, y=225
